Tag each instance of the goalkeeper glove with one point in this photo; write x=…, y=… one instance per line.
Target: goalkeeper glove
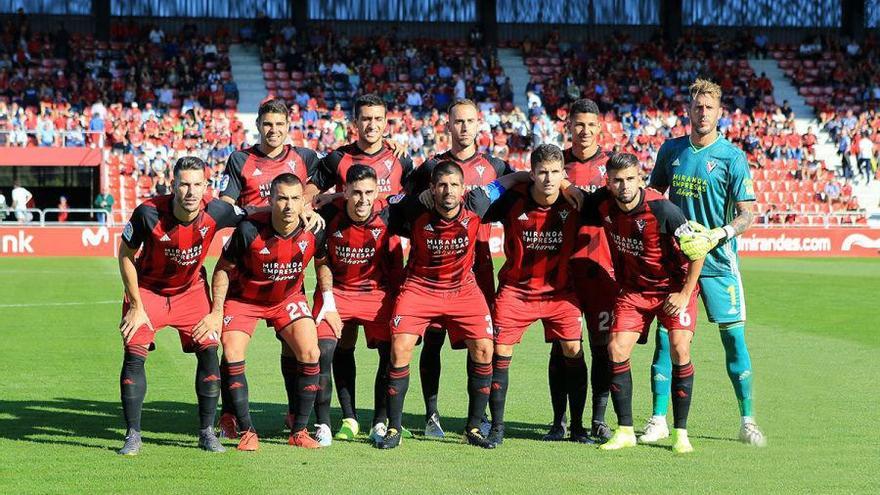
x=696, y=240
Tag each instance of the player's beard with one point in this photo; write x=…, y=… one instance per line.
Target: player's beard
x=623, y=198
x=448, y=203
x=191, y=207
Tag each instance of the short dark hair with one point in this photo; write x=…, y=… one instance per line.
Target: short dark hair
x=446, y=167
x=359, y=171
x=620, y=161
x=275, y=105
x=189, y=163
x=368, y=100
x=584, y=105
x=287, y=178
x=546, y=153
x=459, y=102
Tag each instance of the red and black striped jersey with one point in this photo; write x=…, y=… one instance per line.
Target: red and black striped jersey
x=479, y=170
x=359, y=253
x=644, y=240
x=538, y=242
x=269, y=266
x=249, y=173
x=392, y=173
x=589, y=175
x=441, y=254
x=173, y=251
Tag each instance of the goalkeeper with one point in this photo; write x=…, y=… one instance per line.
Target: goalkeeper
x=708, y=178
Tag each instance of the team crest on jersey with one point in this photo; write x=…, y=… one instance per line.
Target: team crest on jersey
x=640, y=223
x=256, y=173
x=480, y=169
x=675, y=163
x=710, y=166
x=393, y=200
x=128, y=231
x=465, y=222
x=303, y=245
x=224, y=183
x=265, y=250
x=396, y=320
x=388, y=164
x=203, y=231
x=602, y=169
x=338, y=234
x=291, y=164
x=165, y=238
x=563, y=214
x=376, y=233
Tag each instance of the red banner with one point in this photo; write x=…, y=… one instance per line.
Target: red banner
x=780, y=242
x=50, y=157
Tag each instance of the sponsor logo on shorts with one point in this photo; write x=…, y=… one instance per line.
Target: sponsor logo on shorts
x=227, y=319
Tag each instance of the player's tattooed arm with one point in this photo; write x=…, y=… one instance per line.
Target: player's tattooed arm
x=328, y=307
x=745, y=216
x=136, y=316
x=210, y=327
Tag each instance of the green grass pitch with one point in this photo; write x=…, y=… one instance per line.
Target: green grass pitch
x=813, y=335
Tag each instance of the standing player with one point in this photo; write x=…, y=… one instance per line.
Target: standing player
x=246, y=182
x=657, y=281
x=440, y=286
x=708, y=178
x=268, y=262
x=594, y=275
x=540, y=231
x=359, y=254
x=479, y=170
x=392, y=170
x=166, y=286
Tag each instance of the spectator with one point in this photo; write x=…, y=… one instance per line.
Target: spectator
x=62, y=209
x=866, y=157
x=104, y=201
x=20, y=199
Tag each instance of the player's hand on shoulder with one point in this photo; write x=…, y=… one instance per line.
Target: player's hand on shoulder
x=427, y=199
x=134, y=318
x=324, y=199
x=397, y=149
x=312, y=220
x=574, y=195
x=208, y=328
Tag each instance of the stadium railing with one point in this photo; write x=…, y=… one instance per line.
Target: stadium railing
x=42, y=217
x=97, y=138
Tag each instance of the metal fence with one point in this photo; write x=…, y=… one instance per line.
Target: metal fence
x=68, y=139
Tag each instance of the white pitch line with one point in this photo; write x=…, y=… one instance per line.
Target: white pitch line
x=37, y=305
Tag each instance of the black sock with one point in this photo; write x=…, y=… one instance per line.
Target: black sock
x=238, y=394
x=345, y=375
x=398, y=383
x=576, y=387
x=133, y=386
x=682, y=389
x=556, y=378
x=325, y=384
x=380, y=386
x=498, y=395
x=288, y=372
x=306, y=391
x=207, y=385
x=600, y=380
x=621, y=392
x=225, y=399
x=429, y=368
x=479, y=384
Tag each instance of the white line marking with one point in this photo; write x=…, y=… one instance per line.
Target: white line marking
x=38, y=305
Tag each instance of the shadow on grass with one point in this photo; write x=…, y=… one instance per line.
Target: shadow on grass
x=90, y=424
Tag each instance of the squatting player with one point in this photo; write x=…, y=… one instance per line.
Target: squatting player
x=479, y=170
x=262, y=270
x=246, y=182
x=657, y=281
x=359, y=252
x=594, y=281
x=166, y=286
x=708, y=178
x=440, y=287
x=392, y=170
x=540, y=231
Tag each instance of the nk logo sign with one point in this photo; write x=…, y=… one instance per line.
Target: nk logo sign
x=16, y=244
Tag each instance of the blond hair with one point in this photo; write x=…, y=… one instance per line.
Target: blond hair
x=705, y=87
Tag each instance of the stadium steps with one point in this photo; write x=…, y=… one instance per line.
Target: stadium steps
x=511, y=61
x=248, y=74
x=783, y=90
